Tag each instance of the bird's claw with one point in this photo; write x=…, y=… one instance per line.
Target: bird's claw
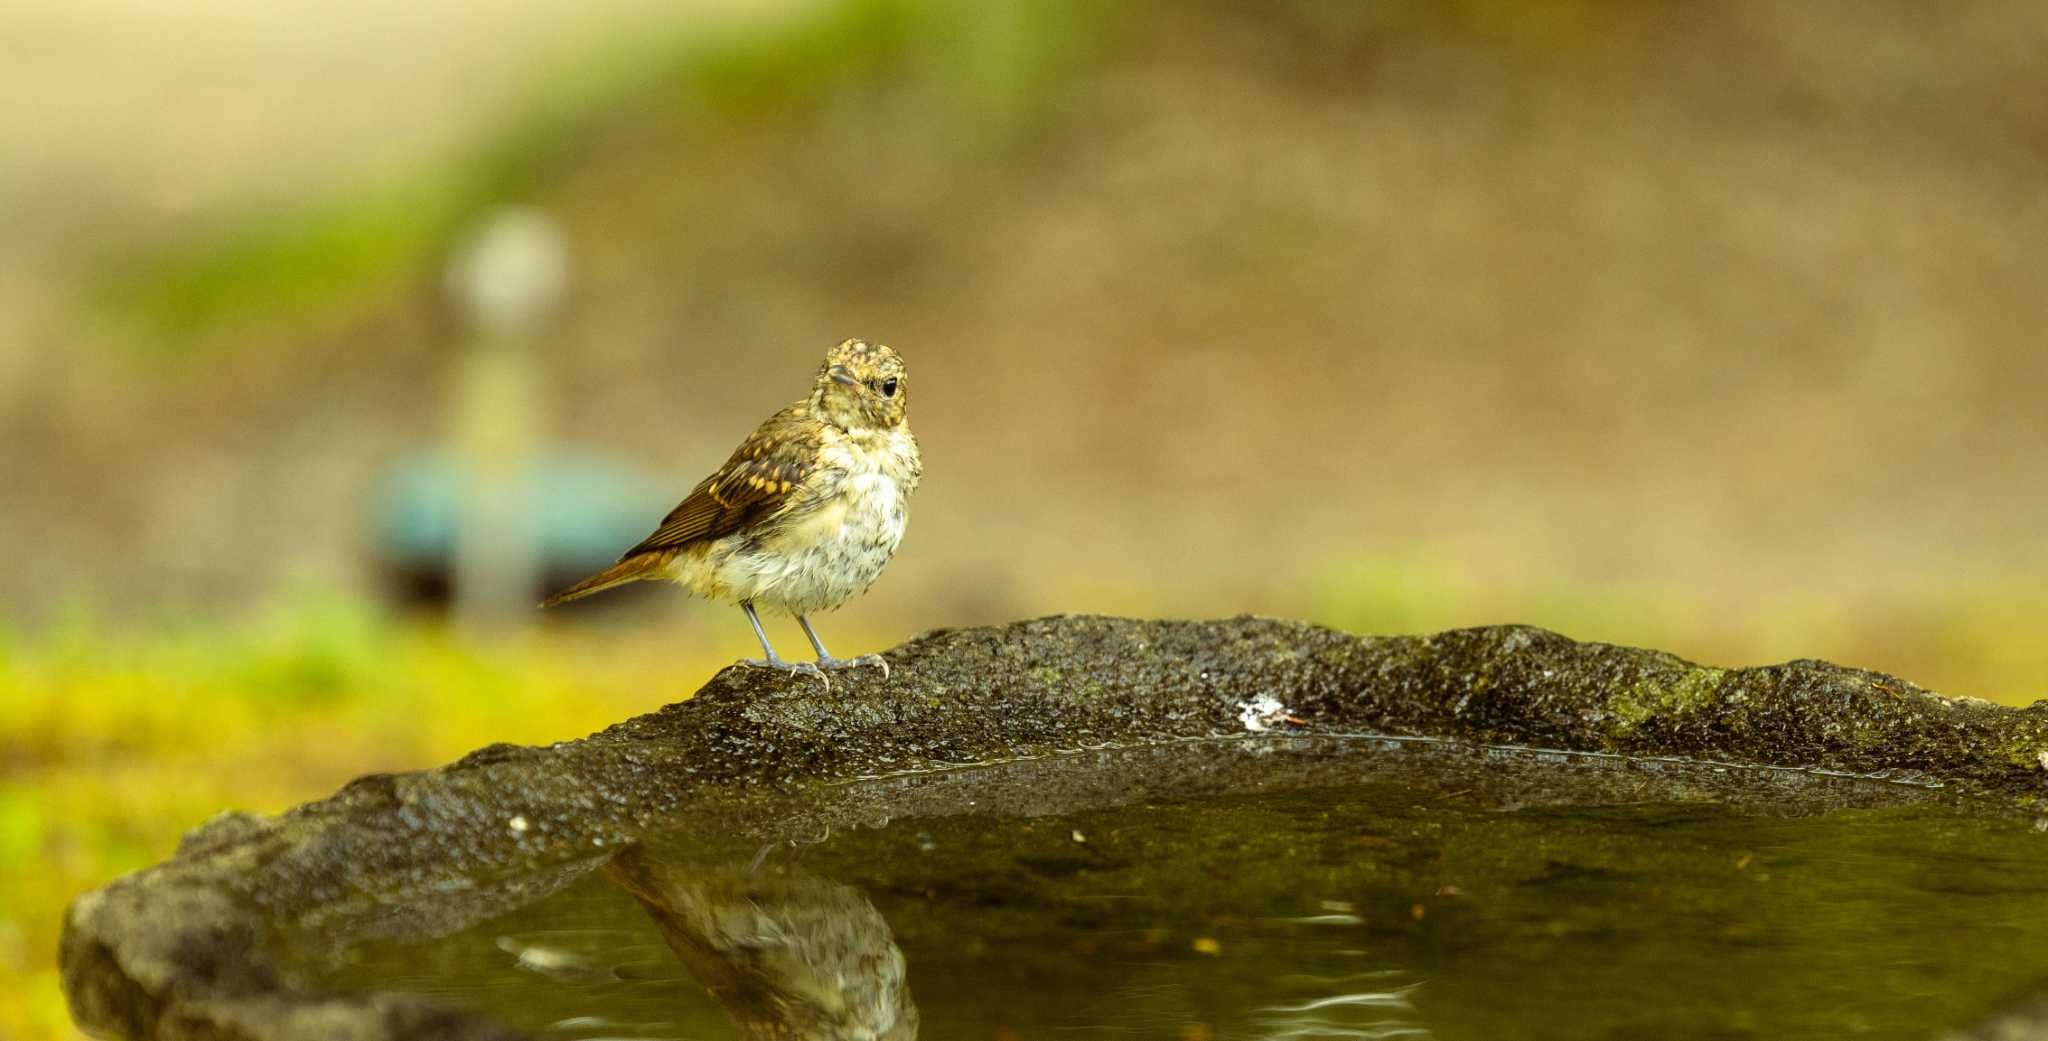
x=865, y=659
x=804, y=667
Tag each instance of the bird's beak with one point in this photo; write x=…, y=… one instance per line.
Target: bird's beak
x=840, y=375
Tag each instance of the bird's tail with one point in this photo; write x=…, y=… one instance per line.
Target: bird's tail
x=635, y=568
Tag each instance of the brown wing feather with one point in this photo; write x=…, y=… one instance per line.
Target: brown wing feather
x=758, y=480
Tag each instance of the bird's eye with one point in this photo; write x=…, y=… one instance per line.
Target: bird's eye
x=889, y=387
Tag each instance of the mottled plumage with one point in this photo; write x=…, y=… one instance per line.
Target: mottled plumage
x=768, y=472
x=807, y=511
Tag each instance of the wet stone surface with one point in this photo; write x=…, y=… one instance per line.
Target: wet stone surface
x=241, y=933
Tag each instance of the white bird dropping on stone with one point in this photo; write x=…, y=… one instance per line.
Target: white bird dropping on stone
x=1259, y=714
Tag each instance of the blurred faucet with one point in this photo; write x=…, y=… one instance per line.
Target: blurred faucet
x=508, y=278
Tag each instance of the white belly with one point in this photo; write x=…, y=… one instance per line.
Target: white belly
x=822, y=558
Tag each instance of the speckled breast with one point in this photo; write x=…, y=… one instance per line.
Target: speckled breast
x=831, y=552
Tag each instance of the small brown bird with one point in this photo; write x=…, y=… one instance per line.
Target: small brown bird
x=804, y=515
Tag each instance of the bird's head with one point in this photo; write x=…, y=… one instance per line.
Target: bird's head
x=862, y=385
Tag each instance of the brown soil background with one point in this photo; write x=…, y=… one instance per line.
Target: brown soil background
x=1717, y=326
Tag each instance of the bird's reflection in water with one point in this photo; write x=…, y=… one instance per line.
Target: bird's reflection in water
x=791, y=958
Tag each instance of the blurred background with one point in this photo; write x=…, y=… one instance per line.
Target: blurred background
x=1712, y=327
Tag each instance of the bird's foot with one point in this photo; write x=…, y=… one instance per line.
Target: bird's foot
x=803, y=667
x=848, y=663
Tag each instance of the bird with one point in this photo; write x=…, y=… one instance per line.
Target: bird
x=790, y=955
x=805, y=514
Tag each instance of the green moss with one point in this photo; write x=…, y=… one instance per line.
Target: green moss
x=1664, y=694
x=2026, y=754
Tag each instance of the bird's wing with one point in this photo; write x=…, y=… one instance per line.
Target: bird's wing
x=770, y=466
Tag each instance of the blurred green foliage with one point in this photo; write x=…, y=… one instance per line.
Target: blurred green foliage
x=327, y=253
x=994, y=64
x=111, y=746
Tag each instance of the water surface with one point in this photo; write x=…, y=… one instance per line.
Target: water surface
x=1401, y=905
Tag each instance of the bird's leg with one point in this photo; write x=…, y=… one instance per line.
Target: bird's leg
x=825, y=658
x=770, y=661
